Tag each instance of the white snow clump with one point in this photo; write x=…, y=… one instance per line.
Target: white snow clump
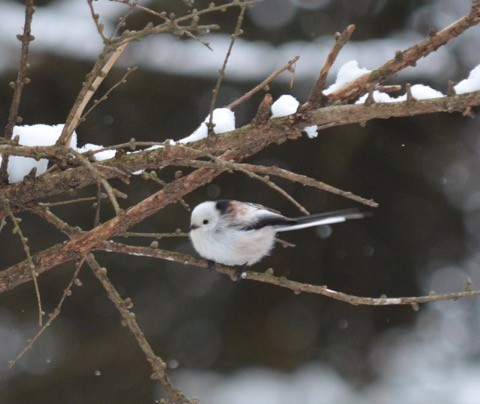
x=285, y=105
x=33, y=135
x=224, y=120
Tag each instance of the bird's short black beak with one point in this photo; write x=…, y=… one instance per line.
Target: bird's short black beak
x=193, y=227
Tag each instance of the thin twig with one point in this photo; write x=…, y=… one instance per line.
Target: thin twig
x=280, y=172
x=97, y=206
x=152, y=175
x=123, y=80
x=128, y=318
x=99, y=25
x=154, y=235
x=46, y=214
x=96, y=78
x=67, y=202
x=100, y=179
x=266, y=180
x=122, y=21
x=19, y=83
x=263, y=84
x=236, y=33
x=264, y=111
x=24, y=240
x=51, y=317
x=316, y=95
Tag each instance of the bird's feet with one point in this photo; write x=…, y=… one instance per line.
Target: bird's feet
x=240, y=273
x=211, y=265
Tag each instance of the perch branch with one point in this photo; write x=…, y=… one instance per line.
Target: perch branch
x=283, y=282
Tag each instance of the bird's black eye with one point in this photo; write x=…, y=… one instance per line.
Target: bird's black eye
x=205, y=221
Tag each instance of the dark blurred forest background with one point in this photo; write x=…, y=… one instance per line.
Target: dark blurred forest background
x=249, y=342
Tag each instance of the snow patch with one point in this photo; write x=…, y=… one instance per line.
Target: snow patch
x=33, y=135
x=224, y=120
x=285, y=105
x=472, y=83
x=347, y=73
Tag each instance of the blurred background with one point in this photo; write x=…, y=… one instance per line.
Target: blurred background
x=248, y=342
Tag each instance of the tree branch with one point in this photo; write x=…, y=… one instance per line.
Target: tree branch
x=128, y=318
x=317, y=97
x=281, y=281
x=408, y=57
x=19, y=83
x=243, y=142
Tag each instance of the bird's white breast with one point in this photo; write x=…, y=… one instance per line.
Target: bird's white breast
x=234, y=247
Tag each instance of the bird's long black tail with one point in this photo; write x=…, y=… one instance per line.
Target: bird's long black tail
x=322, y=218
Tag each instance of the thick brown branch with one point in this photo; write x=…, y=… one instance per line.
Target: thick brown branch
x=81, y=244
x=346, y=114
x=242, y=143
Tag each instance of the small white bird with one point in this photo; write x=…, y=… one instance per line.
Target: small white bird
x=240, y=234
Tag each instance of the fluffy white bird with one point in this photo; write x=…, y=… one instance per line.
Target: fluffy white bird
x=240, y=234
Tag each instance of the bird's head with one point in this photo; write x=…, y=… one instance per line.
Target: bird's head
x=205, y=217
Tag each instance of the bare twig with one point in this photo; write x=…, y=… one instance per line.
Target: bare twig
x=66, y=202
x=123, y=80
x=94, y=79
x=97, y=206
x=26, y=248
x=154, y=235
x=152, y=175
x=19, y=83
x=236, y=33
x=99, y=25
x=263, y=84
x=100, y=179
x=123, y=306
x=51, y=317
x=46, y=214
x=317, y=98
x=289, y=175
